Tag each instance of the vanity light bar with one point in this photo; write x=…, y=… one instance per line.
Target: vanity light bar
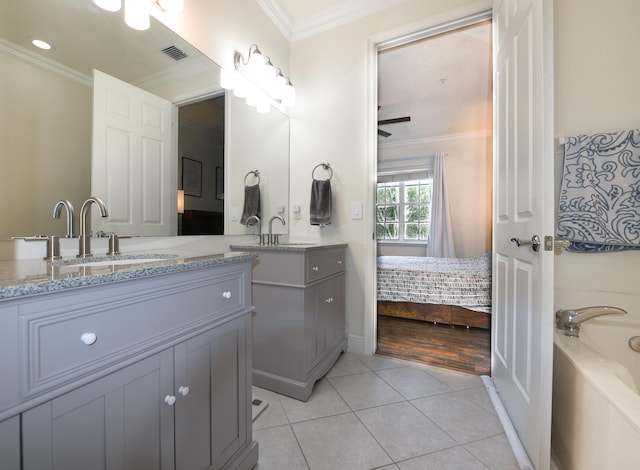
x=257, y=80
x=136, y=12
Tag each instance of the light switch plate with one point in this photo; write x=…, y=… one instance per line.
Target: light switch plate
x=356, y=210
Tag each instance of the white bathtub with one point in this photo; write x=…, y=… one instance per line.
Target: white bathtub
x=596, y=403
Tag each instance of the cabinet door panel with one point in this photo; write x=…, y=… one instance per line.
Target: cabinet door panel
x=211, y=419
x=117, y=420
x=10, y=444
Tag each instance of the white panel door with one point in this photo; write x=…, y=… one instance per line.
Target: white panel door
x=522, y=319
x=132, y=167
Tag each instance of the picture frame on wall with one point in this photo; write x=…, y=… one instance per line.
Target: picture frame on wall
x=191, y=177
x=219, y=182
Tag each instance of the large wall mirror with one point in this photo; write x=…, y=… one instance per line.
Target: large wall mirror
x=46, y=118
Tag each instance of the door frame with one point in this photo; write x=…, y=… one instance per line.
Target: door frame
x=454, y=19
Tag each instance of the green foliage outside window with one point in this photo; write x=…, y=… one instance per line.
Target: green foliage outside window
x=403, y=210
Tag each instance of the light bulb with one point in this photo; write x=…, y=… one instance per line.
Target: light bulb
x=227, y=78
x=263, y=107
x=256, y=61
x=136, y=15
x=240, y=87
x=109, y=5
x=277, y=86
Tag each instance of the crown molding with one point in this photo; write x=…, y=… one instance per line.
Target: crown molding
x=330, y=18
x=436, y=139
x=279, y=16
x=31, y=58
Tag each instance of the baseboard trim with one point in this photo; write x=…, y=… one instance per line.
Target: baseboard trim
x=512, y=436
x=355, y=344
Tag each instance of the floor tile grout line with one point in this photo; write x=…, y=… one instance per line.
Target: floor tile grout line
x=458, y=390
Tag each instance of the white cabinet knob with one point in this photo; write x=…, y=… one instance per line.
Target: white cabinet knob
x=170, y=400
x=329, y=300
x=339, y=261
x=88, y=338
x=226, y=294
x=315, y=268
x=183, y=390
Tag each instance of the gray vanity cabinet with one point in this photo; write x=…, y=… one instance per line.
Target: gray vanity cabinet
x=191, y=400
x=10, y=444
x=212, y=416
x=164, y=383
x=299, y=321
x=324, y=318
x=114, y=422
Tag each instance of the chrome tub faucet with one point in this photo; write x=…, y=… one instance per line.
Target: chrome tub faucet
x=570, y=320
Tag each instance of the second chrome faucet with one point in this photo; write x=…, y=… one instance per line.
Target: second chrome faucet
x=84, y=250
x=273, y=239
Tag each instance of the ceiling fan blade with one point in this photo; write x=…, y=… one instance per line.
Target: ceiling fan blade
x=394, y=120
x=383, y=133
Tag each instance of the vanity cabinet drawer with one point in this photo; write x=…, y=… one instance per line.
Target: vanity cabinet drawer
x=64, y=343
x=323, y=264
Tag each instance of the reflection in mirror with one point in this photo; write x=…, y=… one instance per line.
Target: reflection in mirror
x=201, y=166
x=264, y=147
x=45, y=119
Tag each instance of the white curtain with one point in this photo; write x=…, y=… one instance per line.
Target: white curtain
x=440, y=243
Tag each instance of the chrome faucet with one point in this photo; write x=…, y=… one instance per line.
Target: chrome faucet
x=273, y=240
x=257, y=219
x=85, y=241
x=69, y=207
x=570, y=320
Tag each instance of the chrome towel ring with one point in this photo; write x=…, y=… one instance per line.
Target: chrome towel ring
x=325, y=166
x=255, y=173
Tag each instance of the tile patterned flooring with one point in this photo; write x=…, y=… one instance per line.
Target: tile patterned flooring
x=374, y=412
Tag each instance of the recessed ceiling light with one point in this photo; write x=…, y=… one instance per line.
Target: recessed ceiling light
x=41, y=44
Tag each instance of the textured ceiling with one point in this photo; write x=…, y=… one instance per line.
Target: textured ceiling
x=442, y=82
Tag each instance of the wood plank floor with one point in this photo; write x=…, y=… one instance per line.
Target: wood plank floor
x=458, y=348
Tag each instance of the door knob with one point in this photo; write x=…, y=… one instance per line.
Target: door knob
x=183, y=390
x=534, y=242
x=170, y=400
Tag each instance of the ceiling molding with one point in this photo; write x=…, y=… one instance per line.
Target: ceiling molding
x=330, y=18
x=436, y=139
x=279, y=16
x=36, y=60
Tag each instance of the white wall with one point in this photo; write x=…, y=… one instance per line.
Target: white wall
x=40, y=151
x=332, y=122
x=596, y=90
x=218, y=28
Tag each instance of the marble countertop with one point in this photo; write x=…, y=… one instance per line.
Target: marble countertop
x=34, y=276
x=287, y=246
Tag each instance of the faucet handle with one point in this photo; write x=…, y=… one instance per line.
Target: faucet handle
x=53, y=248
x=114, y=245
x=561, y=317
